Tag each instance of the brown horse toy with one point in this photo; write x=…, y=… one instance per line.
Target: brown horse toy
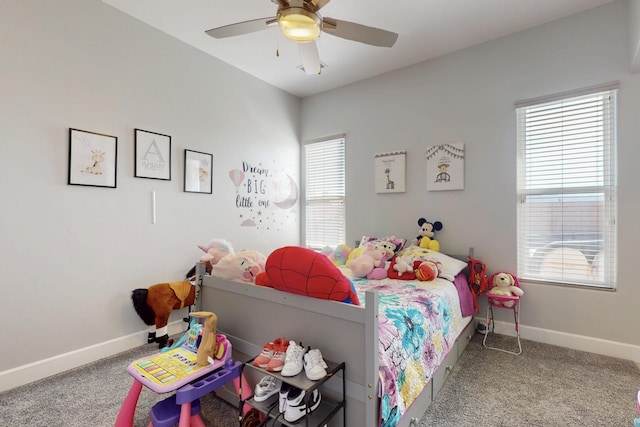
x=155, y=304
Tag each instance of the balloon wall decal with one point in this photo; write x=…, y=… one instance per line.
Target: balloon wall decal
x=237, y=176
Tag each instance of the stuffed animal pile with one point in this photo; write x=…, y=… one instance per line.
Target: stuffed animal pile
x=415, y=262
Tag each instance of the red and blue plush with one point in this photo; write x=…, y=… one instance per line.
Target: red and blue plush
x=303, y=271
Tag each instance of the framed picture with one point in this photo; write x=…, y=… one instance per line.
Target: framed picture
x=390, y=173
x=92, y=159
x=152, y=154
x=198, y=172
x=445, y=167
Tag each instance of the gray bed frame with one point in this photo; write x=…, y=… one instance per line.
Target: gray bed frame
x=251, y=315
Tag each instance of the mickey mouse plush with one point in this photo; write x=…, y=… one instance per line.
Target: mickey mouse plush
x=427, y=231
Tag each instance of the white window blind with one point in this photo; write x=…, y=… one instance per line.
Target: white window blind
x=567, y=188
x=324, y=164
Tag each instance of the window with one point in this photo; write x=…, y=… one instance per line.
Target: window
x=324, y=164
x=567, y=188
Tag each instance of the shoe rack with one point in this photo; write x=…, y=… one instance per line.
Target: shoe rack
x=319, y=417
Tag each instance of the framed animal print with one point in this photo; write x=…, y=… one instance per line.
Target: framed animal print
x=390, y=173
x=198, y=172
x=92, y=159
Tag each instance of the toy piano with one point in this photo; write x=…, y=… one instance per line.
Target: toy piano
x=171, y=369
x=198, y=364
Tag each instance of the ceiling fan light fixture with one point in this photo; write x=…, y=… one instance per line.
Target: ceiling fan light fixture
x=299, y=24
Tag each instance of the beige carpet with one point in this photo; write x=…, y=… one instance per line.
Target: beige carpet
x=545, y=386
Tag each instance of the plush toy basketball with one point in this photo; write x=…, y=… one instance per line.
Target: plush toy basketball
x=303, y=271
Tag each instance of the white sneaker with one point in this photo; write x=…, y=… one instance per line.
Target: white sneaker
x=293, y=360
x=314, y=365
x=267, y=387
x=297, y=404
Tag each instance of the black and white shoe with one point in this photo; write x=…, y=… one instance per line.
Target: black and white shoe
x=282, y=396
x=296, y=406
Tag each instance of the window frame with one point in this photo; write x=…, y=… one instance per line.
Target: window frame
x=308, y=187
x=530, y=187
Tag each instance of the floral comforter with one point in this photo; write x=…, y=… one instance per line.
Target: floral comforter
x=418, y=325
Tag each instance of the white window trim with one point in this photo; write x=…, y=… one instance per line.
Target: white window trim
x=608, y=189
x=305, y=188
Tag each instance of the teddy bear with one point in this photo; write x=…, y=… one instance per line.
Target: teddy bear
x=427, y=232
x=504, y=284
x=368, y=263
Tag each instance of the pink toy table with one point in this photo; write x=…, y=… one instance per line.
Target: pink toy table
x=176, y=370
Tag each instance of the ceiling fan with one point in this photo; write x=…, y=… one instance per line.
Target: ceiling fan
x=300, y=21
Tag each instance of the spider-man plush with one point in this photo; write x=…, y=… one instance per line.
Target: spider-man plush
x=303, y=271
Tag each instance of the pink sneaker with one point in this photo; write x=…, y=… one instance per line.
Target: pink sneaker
x=277, y=360
x=263, y=359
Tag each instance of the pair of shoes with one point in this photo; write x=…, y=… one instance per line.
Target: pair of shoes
x=293, y=404
x=293, y=360
x=268, y=352
x=314, y=365
x=267, y=387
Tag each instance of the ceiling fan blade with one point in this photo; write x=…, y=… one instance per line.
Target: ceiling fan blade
x=240, y=28
x=310, y=57
x=359, y=33
x=318, y=4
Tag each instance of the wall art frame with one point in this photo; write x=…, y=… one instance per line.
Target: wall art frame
x=390, y=172
x=445, y=167
x=198, y=172
x=93, y=159
x=152, y=155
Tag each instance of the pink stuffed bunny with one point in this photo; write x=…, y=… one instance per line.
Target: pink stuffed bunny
x=368, y=260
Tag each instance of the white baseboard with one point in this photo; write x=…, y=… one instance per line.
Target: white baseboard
x=576, y=342
x=31, y=372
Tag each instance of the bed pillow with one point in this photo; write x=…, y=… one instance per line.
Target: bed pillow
x=397, y=242
x=304, y=271
x=450, y=266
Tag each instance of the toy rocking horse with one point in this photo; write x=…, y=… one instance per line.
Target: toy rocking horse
x=155, y=304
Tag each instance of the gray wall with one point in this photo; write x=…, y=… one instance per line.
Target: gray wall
x=70, y=255
x=634, y=34
x=468, y=97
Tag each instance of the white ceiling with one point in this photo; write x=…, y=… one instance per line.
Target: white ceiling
x=426, y=28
